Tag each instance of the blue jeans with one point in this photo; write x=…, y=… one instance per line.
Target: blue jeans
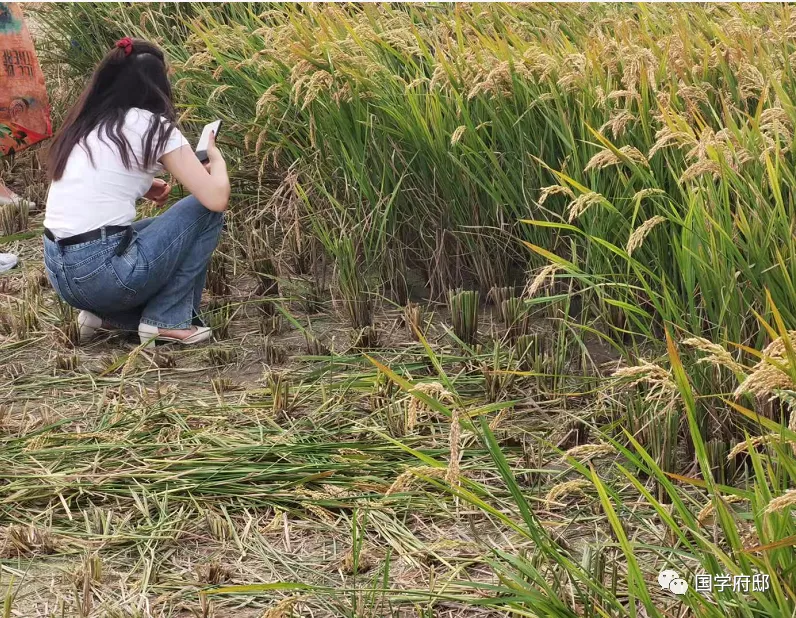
x=158, y=280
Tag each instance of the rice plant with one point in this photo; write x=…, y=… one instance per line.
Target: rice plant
x=217, y=283
x=66, y=322
x=314, y=346
x=13, y=218
x=515, y=317
x=273, y=354
x=220, y=314
x=352, y=284
x=413, y=320
x=499, y=373
x=464, y=309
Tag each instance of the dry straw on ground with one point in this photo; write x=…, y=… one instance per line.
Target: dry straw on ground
x=585, y=452
x=567, y=488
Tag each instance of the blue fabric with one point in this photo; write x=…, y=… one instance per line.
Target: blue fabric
x=159, y=279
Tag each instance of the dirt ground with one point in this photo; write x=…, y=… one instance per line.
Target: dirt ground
x=134, y=479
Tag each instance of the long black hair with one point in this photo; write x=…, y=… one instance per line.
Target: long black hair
x=132, y=74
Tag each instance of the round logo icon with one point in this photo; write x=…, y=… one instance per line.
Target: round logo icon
x=665, y=578
x=678, y=586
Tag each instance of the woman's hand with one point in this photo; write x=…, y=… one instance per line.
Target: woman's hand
x=214, y=155
x=208, y=182
x=158, y=192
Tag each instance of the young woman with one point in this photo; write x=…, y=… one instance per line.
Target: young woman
x=149, y=274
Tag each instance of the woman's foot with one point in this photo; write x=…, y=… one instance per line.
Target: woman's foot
x=89, y=324
x=187, y=336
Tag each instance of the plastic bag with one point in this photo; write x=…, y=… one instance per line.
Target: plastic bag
x=24, y=107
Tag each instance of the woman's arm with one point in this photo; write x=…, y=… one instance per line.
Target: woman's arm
x=212, y=190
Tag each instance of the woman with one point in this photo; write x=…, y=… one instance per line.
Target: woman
x=149, y=274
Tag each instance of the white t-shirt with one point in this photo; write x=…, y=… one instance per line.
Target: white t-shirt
x=88, y=197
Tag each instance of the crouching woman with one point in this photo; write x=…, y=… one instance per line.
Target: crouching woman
x=126, y=274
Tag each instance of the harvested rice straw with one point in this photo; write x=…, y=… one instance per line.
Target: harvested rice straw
x=453, y=474
x=283, y=609
x=782, y=502
x=716, y=354
x=585, y=452
x=708, y=509
x=417, y=405
x=29, y=540
x=277, y=521
x=496, y=422
x=564, y=489
x=366, y=560
x=640, y=233
x=405, y=479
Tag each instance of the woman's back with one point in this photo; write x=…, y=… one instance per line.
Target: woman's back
x=98, y=190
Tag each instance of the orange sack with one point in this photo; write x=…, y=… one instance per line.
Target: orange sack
x=24, y=107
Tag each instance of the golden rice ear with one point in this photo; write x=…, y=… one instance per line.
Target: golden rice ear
x=715, y=354
x=770, y=374
x=582, y=203
x=568, y=488
x=780, y=503
x=640, y=233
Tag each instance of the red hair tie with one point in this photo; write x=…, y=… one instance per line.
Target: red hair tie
x=126, y=44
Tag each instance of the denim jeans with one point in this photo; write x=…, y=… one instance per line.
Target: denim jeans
x=158, y=280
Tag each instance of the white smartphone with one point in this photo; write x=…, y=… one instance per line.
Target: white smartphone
x=201, y=148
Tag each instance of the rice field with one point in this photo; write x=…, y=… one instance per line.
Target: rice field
x=504, y=325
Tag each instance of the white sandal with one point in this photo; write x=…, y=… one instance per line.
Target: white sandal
x=149, y=334
x=17, y=200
